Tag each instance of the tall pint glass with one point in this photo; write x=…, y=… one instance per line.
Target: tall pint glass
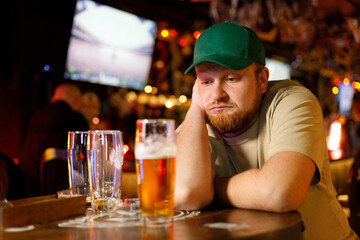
x=78, y=164
x=105, y=159
x=155, y=152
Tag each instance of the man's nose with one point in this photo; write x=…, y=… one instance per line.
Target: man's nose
x=218, y=91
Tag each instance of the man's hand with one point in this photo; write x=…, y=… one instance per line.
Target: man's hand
x=195, y=99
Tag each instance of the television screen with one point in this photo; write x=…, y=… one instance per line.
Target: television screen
x=109, y=46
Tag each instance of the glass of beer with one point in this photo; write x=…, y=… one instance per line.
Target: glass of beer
x=77, y=163
x=155, y=152
x=105, y=159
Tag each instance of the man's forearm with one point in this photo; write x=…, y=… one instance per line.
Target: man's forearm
x=239, y=190
x=245, y=190
x=280, y=186
x=193, y=184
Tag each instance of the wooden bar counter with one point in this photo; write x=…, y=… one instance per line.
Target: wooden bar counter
x=221, y=224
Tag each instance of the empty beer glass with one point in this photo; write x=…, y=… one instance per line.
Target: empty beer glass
x=78, y=164
x=105, y=159
x=155, y=153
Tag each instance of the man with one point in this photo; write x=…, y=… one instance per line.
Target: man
x=48, y=128
x=267, y=145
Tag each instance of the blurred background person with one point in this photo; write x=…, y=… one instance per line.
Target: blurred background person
x=48, y=128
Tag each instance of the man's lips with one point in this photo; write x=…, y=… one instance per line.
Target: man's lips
x=215, y=108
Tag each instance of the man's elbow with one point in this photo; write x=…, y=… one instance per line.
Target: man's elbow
x=283, y=207
x=282, y=203
x=192, y=200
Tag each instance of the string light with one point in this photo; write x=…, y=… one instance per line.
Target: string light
x=162, y=99
x=143, y=98
x=182, y=99
x=153, y=100
x=148, y=89
x=131, y=96
x=169, y=104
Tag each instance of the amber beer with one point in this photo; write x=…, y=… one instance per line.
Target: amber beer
x=155, y=181
x=155, y=151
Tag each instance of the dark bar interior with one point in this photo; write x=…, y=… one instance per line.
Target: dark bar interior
x=316, y=42
x=36, y=35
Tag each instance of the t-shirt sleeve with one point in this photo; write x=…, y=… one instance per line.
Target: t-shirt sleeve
x=297, y=125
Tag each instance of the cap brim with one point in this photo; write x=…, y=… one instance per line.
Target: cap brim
x=231, y=62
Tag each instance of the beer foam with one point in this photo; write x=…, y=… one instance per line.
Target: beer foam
x=155, y=150
x=116, y=158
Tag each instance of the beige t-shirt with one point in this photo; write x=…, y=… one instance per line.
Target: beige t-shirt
x=290, y=120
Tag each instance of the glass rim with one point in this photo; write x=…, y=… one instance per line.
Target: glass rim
x=105, y=131
x=77, y=132
x=153, y=120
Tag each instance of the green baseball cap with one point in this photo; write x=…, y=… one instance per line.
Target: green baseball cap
x=229, y=44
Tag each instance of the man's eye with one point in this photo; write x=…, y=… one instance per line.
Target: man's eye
x=205, y=82
x=230, y=79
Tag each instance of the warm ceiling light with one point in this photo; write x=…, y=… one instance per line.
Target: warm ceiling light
x=95, y=120
x=154, y=90
x=126, y=148
x=335, y=90
x=164, y=33
x=182, y=42
x=159, y=64
x=173, y=33
x=196, y=34
x=357, y=85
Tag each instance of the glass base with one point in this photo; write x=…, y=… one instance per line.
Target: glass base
x=156, y=222
x=104, y=204
x=99, y=204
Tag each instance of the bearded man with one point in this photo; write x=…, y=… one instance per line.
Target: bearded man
x=249, y=143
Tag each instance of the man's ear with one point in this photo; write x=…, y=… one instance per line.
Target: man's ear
x=264, y=78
